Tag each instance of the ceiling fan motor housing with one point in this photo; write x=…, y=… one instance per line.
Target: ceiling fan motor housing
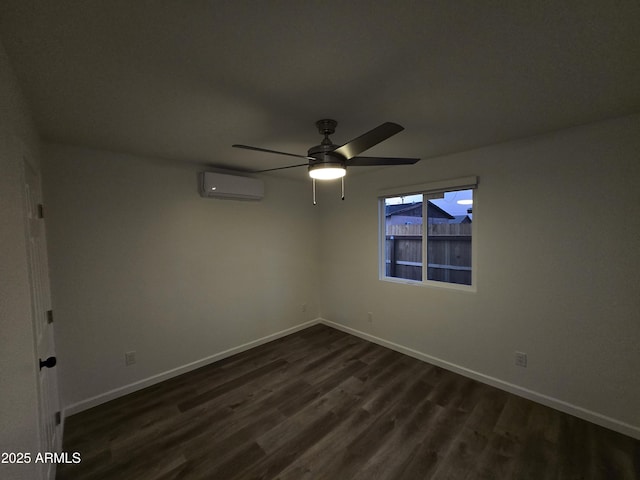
x=323, y=153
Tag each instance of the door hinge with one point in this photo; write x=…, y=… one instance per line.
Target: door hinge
x=58, y=418
x=49, y=316
x=40, y=210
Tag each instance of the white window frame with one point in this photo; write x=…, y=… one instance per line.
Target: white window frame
x=464, y=183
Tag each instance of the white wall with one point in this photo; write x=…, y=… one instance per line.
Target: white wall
x=18, y=400
x=141, y=262
x=558, y=219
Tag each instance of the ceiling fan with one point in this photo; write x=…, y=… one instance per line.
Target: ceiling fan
x=328, y=161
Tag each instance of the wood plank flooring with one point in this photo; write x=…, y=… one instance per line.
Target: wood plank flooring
x=324, y=405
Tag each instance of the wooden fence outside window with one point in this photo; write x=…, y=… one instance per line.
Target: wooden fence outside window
x=448, y=252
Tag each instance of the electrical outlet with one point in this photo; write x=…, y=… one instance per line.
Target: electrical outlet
x=129, y=358
x=304, y=307
x=521, y=359
x=370, y=317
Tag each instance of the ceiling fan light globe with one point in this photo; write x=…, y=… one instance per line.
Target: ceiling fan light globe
x=320, y=172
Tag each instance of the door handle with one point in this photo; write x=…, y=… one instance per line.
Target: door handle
x=49, y=362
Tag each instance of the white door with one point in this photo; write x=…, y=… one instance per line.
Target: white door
x=49, y=440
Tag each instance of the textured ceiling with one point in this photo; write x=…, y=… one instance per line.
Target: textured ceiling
x=185, y=80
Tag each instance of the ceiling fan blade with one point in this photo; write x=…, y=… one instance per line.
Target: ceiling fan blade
x=280, y=168
x=247, y=147
x=368, y=140
x=373, y=161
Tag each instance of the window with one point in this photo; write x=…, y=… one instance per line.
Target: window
x=433, y=221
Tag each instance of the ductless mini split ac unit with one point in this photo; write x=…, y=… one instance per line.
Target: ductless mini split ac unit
x=218, y=185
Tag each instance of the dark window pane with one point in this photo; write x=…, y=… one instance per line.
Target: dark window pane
x=403, y=237
x=449, y=221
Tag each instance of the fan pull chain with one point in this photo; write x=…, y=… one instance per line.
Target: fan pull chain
x=313, y=188
x=314, y=191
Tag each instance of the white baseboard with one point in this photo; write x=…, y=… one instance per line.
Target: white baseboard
x=146, y=382
x=571, y=409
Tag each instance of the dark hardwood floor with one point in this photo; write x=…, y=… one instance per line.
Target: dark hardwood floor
x=321, y=404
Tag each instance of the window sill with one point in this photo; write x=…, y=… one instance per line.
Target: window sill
x=431, y=284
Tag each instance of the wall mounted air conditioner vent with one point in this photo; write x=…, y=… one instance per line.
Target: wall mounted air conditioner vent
x=218, y=185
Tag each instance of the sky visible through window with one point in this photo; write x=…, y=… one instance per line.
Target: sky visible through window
x=449, y=203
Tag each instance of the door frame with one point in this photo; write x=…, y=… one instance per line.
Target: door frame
x=49, y=422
